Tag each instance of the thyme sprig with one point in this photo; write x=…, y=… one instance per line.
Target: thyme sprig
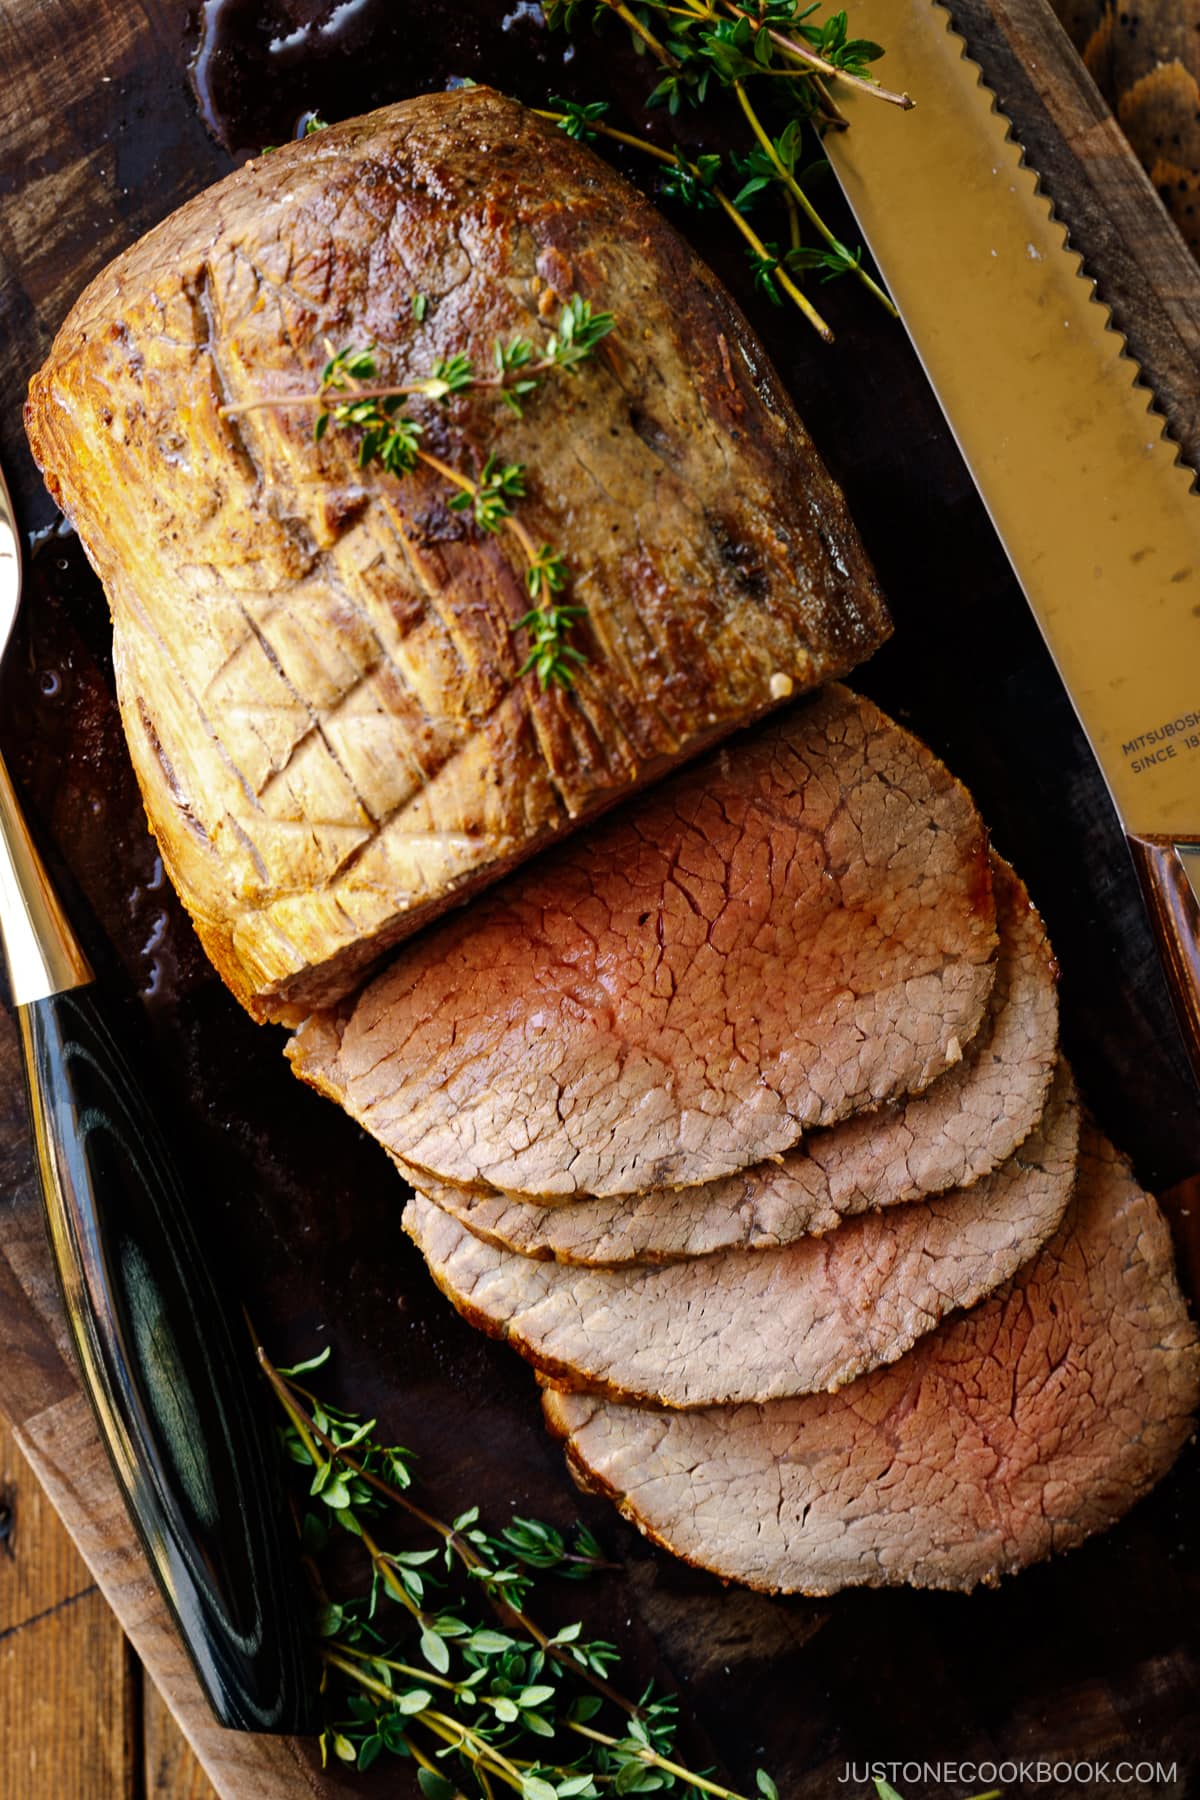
x=702, y=46
x=518, y=370
x=412, y=1669
x=697, y=184
x=350, y=396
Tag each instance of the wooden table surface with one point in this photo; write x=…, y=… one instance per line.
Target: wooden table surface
x=98, y=138
x=80, y=1719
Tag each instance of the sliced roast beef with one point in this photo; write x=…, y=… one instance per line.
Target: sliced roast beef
x=1012, y=1431
x=745, y=1325
x=959, y=1129
x=319, y=666
x=778, y=937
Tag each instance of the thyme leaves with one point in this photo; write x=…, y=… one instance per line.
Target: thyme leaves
x=352, y=397
x=414, y=1669
x=777, y=47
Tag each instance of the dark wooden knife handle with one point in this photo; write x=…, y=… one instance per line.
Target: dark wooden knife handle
x=169, y=1372
x=1169, y=871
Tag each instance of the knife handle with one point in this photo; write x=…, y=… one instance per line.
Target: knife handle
x=1169, y=871
x=165, y=1368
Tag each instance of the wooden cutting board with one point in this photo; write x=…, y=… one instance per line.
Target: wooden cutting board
x=1093, y=1656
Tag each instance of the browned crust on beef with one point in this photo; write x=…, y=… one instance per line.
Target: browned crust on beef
x=783, y=935
x=746, y=1325
x=1014, y=1431
x=316, y=664
x=953, y=1133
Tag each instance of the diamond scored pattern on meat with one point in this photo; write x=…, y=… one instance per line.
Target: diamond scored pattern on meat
x=959, y=1129
x=1016, y=1430
x=759, y=1324
x=316, y=664
x=766, y=944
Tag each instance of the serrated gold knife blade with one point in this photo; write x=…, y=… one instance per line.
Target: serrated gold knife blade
x=1088, y=496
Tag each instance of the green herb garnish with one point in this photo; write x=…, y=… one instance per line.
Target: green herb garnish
x=351, y=397
x=704, y=47
x=415, y=1668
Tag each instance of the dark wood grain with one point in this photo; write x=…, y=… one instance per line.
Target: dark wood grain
x=80, y=1719
x=1097, y=1654
x=62, y=1656
x=40, y=1568
x=171, y=1770
x=1145, y=59
x=1175, y=916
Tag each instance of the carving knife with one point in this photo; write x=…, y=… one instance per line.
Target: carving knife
x=1088, y=496
x=167, y=1366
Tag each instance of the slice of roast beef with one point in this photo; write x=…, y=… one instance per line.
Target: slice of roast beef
x=320, y=666
x=793, y=930
x=963, y=1126
x=755, y=1325
x=1012, y=1431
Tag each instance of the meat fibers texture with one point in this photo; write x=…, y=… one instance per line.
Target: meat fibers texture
x=755, y=1325
x=956, y=1131
x=317, y=663
x=794, y=930
x=1013, y=1431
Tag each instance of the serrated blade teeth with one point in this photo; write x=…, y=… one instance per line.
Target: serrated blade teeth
x=1090, y=497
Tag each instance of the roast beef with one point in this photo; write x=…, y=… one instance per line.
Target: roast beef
x=317, y=664
x=745, y=1325
x=773, y=939
x=1012, y=1431
x=959, y=1129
